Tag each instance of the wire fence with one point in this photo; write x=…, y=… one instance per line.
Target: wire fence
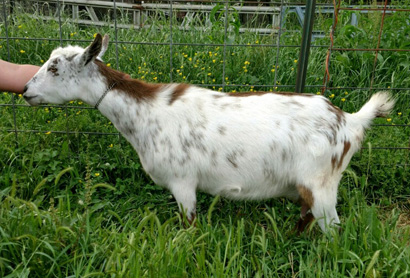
x=246, y=29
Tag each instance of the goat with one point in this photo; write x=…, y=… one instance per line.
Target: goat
x=244, y=146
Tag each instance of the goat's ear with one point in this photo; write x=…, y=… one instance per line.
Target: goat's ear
x=92, y=51
x=104, y=48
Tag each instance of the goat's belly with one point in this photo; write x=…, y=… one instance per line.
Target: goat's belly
x=248, y=191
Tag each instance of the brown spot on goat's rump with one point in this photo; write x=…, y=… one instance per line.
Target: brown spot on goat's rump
x=178, y=92
x=346, y=149
x=338, y=164
x=306, y=197
x=132, y=87
x=340, y=117
x=334, y=162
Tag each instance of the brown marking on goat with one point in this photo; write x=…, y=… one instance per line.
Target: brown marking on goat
x=248, y=94
x=338, y=164
x=178, y=92
x=380, y=114
x=222, y=130
x=340, y=117
x=334, y=162
x=306, y=201
x=232, y=161
x=346, y=149
x=295, y=103
x=306, y=197
x=134, y=88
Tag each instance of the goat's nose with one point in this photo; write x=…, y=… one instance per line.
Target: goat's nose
x=25, y=88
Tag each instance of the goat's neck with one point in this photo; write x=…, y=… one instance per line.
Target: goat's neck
x=130, y=115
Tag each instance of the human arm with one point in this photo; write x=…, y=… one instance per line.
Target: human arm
x=13, y=77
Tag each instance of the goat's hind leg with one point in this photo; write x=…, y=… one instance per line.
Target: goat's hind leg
x=324, y=205
x=321, y=199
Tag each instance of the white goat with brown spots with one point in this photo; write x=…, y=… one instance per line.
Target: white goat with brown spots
x=241, y=146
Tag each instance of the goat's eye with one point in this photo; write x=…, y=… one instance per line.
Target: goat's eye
x=53, y=70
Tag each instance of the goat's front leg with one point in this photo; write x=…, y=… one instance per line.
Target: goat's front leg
x=185, y=194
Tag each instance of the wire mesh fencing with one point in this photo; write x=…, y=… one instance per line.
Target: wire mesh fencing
x=229, y=46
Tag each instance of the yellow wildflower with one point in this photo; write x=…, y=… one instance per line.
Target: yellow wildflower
x=343, y=99
x=97, y=174
x=48, y=132
x=388, y=119
x=22, y=51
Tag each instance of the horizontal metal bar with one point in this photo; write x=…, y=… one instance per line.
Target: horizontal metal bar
x=162, y=43
x=371, y=49
x=375, y=9
x=60, y=132
x=48, y=106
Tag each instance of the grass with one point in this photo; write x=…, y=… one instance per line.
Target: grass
x=77, y=204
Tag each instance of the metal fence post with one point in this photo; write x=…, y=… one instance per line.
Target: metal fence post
x=305, y=46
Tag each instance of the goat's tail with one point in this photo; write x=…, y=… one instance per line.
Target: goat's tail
x=379, y=105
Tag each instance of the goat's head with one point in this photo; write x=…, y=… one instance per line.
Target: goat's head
x=67, y=74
